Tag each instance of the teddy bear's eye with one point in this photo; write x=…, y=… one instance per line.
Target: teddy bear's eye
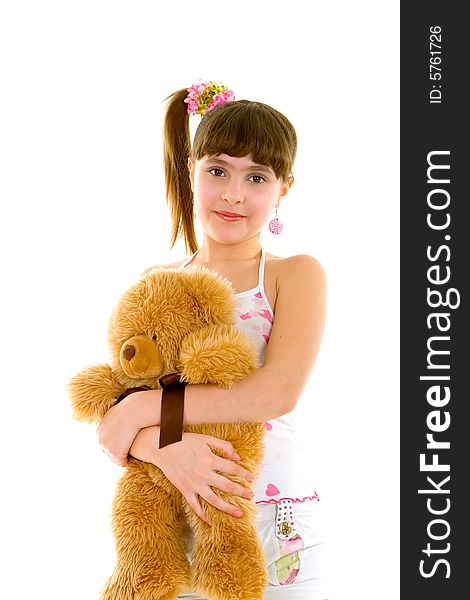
x=154, y=338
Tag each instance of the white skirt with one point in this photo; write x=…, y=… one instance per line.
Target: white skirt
x=295, y=558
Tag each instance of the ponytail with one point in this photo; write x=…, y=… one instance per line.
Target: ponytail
x=176, y=151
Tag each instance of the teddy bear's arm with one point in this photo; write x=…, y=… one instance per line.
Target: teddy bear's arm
x=219, y=354
x=92, y=393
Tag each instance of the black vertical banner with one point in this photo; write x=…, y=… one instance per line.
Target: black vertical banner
x=435, y=256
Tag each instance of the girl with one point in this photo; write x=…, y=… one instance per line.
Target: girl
x=237, y=171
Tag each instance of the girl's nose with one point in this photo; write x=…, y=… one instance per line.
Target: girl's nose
x=233, y=197
x=234, y=193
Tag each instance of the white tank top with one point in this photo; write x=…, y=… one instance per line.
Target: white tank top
x=285, y=473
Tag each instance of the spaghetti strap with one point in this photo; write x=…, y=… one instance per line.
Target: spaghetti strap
x=188, y=260
x=262, y=263
x=261, y=290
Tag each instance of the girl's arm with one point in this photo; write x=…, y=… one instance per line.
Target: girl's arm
x=275, y=389
x=269, y=392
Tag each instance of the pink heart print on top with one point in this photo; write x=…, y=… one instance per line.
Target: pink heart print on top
x=272, y=490
x=268, y=426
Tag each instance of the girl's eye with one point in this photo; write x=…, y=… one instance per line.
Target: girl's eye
x=216, y=172
x=257, y=178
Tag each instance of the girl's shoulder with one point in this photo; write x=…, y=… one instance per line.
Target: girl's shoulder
x=295, y=265
x=287, y=278
x=296, y=258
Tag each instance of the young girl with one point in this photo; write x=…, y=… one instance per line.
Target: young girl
x=237, y=171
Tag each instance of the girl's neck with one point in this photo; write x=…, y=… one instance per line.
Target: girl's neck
x=212, y=253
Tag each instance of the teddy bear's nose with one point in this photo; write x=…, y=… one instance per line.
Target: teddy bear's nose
x=129, y=352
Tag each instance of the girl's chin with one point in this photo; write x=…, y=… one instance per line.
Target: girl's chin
x=228, y=227
x=223, y=238
x=226, y=235
x=226, y=232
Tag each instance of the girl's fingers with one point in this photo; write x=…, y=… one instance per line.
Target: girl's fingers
x=193, y=501
x=223, y=445
x=223, y=483
x=220, y=504
x=120, y=462
x=228, y=466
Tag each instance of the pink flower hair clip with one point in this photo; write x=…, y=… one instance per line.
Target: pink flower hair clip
x=205, y=96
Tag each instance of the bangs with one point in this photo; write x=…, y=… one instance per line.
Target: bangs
x=243, y=128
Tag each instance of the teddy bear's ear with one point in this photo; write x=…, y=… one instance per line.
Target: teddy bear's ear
x=212, y=293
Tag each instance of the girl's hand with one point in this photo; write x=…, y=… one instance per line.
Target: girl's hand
x=122, y=423
x=193, y=468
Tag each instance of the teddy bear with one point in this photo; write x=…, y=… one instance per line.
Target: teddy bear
x=177, y=322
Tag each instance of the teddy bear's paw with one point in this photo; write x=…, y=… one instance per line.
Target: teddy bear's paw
x=151, y=583
x=92, y=392
x=145, y=592
x=121, y=590
x=155, y=594
x=242, y=576
x=117, y=588
x=231, y=590
x=220, y=354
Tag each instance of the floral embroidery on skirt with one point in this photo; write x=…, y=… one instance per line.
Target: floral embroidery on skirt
x=288, y=565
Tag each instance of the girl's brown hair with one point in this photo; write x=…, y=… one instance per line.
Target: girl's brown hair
x=238, y=128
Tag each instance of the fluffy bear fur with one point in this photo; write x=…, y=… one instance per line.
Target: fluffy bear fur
x=177, y=321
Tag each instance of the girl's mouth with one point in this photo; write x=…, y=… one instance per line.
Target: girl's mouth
x=225, y=216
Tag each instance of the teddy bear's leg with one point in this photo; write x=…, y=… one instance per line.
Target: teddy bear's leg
x=228, y=560
x=147, y=523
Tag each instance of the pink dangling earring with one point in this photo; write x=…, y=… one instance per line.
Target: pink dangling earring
x=275, y=225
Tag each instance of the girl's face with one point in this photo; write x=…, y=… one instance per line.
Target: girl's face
x=234, y=197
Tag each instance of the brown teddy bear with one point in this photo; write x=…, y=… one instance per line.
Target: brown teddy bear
x=177, y=321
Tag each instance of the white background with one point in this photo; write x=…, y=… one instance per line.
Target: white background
x=83, y=213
